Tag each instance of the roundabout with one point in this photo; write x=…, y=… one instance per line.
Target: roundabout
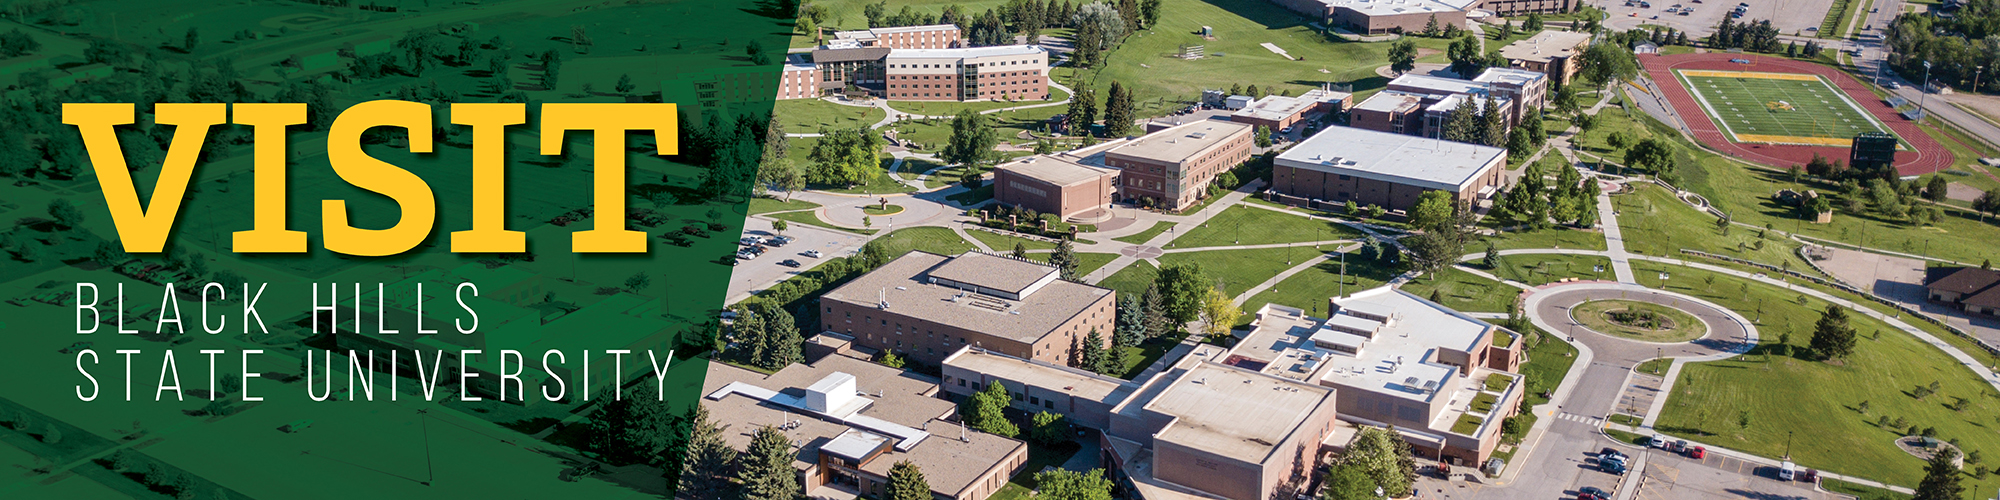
x=1581, y=312
x=1639, y=321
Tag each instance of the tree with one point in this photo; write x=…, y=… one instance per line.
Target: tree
x=65, y=213
x=1090, y=354
x=985, y=410
x=1403, y=54
x=1347, y=480
x=1182, y=289
x=704, y=473
x=1050, y=429
x=1988, y=203
x=1153, y=310
x=1651, y=155
x=1605, y=62
x=1533, y=24
x=1064, y=260
x=972, y=140
x=1118, y=117
x=1466, y=60
x=1433, y=210
x=1218, y=313
x=1020, y=250
x=1384, y=458
x=1941, y=479
x=638, y=281
x=1492, y=260
x=625, y=85
x=906, y=482
x=193, y=38
x=846, y=157
x=1430, y=28
x=1065, y=484
x=1935, y=189
x=1832, y=337
x=765, y=468
x=1149, y=10
x=1082, y=111
x=1263, y=137
x=1463, y=123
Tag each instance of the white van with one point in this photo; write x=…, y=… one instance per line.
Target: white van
x=1787, y=471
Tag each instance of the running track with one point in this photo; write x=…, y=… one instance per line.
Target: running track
x=1928, y=156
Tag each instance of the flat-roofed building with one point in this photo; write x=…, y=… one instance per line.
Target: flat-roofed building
x=1278, y=112
x=968, y=74
x=852, y=420
x=1381, y=168
x=800, y=79
x=1525, y=90
x=1084, y=397
x=1557, y=54
x=1389, y=111
x=1443, y=379
x=1055, y=184
x=934, y=36
x=1376, y=17
x=925, y=306
x=1173, y=167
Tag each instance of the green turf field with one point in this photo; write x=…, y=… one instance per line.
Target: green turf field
x=1779, y=108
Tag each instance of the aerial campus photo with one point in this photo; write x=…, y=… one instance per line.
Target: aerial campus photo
x=1290, y=250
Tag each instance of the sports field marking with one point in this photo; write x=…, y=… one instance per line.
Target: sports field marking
x=1701, y=73
x=1786, y=116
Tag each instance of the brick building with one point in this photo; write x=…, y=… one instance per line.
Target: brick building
x=934, y=36
x=1278, y=112
x=1557, y=54
x=1173, y=167
x=1054, y=184
x=1377, y=17
x=924, y=306
x=1390, y=170
x=972, y=74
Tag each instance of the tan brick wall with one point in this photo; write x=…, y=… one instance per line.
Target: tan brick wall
x=930, y=342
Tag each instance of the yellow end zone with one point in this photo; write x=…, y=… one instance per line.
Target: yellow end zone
x=1747, y=74
x=1787, y=139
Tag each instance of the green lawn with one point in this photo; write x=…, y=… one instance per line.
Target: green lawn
x=1655, y=366
x=1004, y=243
x=1022, y=486
x=1677, y=325
x=765, y=205
x=805, y=116
x=1133, y=279
x=1657, y=224
x=950, y=108
x=935, y=240
x=1240, y=225
x=1793, y=395
x=1143, y=63
x=1141, y=237
x=1238, y=270
x=1745, y=192
x=812, y=218
x=1549, y=360
x=1543, y=269
x=1560, y=237
x=1310, y=289
x=1464, y=291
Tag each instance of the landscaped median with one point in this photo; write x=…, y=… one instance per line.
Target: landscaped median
x=1640, y=321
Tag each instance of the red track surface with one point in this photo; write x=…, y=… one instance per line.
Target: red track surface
x=1928, y=155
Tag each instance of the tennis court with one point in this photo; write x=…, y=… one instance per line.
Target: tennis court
x=1779, y=108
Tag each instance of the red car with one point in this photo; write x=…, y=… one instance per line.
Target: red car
x=1697, y=452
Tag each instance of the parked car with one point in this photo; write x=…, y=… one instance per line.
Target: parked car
x=1679, y=446
x=1592, y=493
x=1658, y=441
x=1810, y=476
x=1697, y=452
x=789, y=263
x=1610, y=454
x=1788, y=471
x=811, y=253
x=745, y=256
x=1616, y=467
x=1894, y=85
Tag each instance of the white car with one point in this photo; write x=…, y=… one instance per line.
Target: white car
x=745, y=256
x=811, y=253
x=1659, y=441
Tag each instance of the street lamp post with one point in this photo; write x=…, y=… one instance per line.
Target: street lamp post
x=1976, y=70
x=1924, y=92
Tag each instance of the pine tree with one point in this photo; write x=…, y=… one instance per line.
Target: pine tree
x=1064, y=260
x=1493, y=123
x=1462, y=125
x=1941, y=479
x=1155, y=312
x=1118, y=116
x=906, y=482
x=704, y=473
x=1131, y=322
x=765, y=468
x=1090, y=355
x=782, y=344
x=1832, y=337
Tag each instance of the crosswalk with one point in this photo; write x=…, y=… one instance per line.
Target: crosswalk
x=1581, y=419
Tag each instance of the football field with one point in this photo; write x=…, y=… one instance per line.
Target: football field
x=1779, y=108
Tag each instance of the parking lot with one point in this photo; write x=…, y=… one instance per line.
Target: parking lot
x=1670, y=476
x=1791, y=17
x=759, y=273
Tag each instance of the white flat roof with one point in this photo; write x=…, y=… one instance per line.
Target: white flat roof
x=1402, y=358
x=970, y=52
x=1438, y=84
x=1389, y=101
x=1511, y=76
x=1392, y=7
x=1403, y=159
x=1545, y=45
